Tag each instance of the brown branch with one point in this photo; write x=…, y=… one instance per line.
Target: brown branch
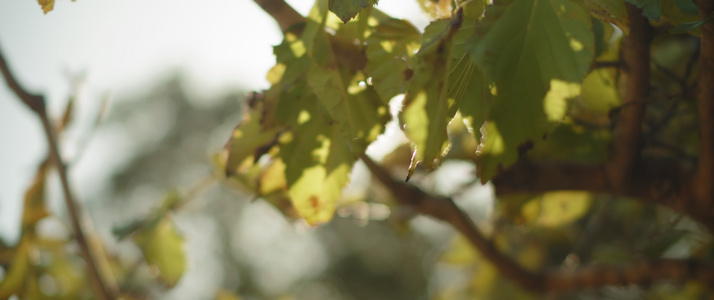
x=645, y=271
x=282, y=13
x=658, y=181
x=704, y=179
x=627, y=140
x=37, y=104
x=445, y=209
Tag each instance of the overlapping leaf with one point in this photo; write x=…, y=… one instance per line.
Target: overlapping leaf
x=318, y=116
x=390, y=50
x=530, y=48
x=427, y=110
x=469, y=87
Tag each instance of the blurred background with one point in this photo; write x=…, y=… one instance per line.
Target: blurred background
x=157, y=88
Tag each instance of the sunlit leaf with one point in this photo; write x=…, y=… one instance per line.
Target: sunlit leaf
x=509, y=46
x=317, y=162
x=436, y=9
x=247, y=139
x=348, y=9
x=557, y=208
x=426, y=108
x=599, y=91
x=332, y=116
x=359, y=114
x=163, y=249
x=390, y=49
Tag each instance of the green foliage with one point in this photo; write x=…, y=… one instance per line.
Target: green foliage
x=652, y=9
x=533, y=78
x=348, y=9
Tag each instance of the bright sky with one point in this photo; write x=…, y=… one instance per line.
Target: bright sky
x=123, y=46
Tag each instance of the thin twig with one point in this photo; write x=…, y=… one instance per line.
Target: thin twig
x=445, y=209
x=37, y=104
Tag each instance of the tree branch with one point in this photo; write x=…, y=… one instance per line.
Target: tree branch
x=37, y=104
x=627, y=139
x=704, y=179
x=445, y=209
x=658, y=181
x=282, y=13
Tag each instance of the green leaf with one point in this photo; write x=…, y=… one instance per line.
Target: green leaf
x=356, y=109
x=331, y=113
x=162, y=248
x=390, y=51
x=317, y=161
x=690, y=26
x=348, y=9
x=510, y=47
x=469, y=87
x=686, y=6
x=427, y=110
x=651, y=9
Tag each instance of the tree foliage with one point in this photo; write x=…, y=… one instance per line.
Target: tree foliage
x=591, y=119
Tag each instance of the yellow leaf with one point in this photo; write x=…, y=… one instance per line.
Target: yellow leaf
x=14, y=279
x=460, y=252
x=555, y=103
x=162, y=248
x=34, y=209
x=556, y=208
x=47, y=5
x=226, y=295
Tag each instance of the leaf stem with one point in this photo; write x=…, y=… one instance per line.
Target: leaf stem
x=37, y=104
